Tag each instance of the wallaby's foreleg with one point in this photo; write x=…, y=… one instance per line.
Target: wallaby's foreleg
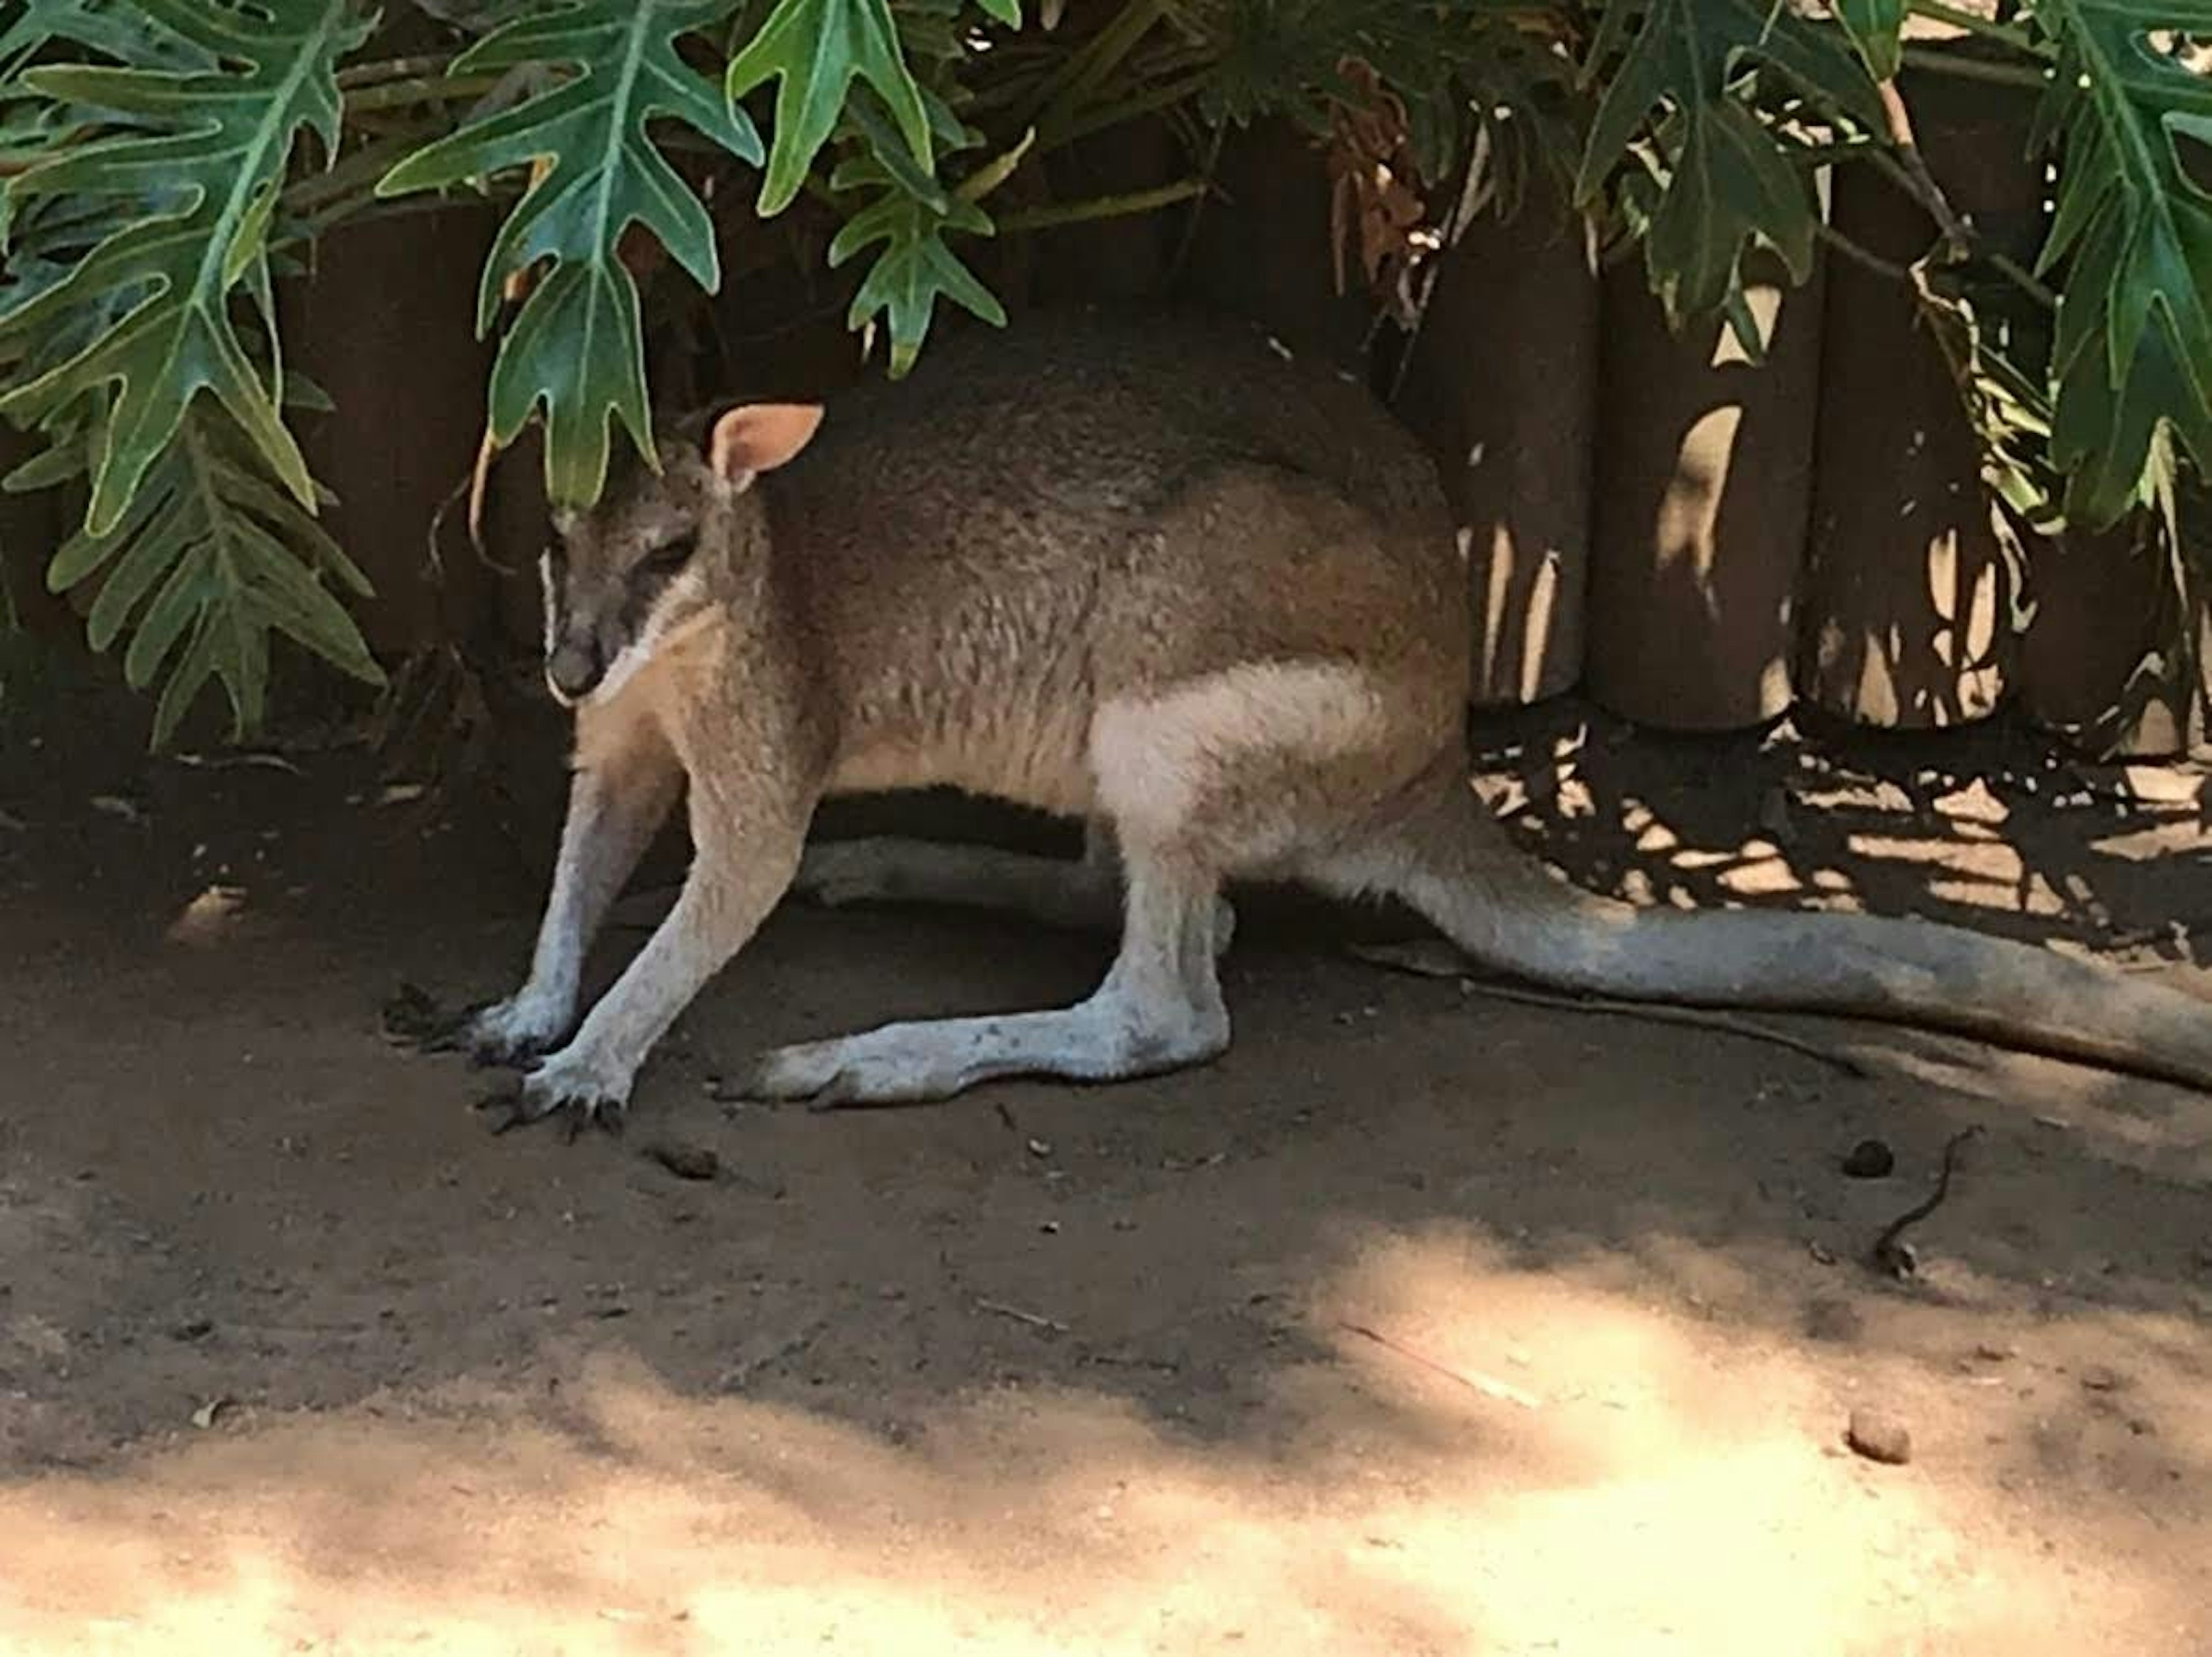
x=738, y=875
x=1083, y=895
x=617, y=800
x=1159, y=1009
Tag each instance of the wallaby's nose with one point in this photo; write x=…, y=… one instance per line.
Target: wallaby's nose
x=575, y=670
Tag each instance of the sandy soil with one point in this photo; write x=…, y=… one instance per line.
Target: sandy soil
x=1423, y=1322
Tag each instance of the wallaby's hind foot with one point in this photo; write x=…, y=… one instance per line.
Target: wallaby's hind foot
x=1082, y=896
x=1159, y=1009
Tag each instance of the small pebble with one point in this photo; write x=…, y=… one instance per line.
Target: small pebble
x=685, y=1162
x=1870, y=1159
x=1878, y=1437
x=2103, y=1378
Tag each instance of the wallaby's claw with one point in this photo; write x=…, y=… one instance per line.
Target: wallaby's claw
x=567, y=1088
x=514, y=1106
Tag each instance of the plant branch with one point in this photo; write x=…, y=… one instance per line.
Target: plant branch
x=404, y=95
x=1892, y=168
x=1103, y=207
x=1960, y=68
x=1948, y=225
x=1860, y=254
x=393, y=68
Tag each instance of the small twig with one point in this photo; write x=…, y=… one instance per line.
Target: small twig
x=1891, y=1252
x=1956, y=236
x=1960, y=67
x=239, y=761
x=1186, y=241
x=2023, y=278
x=1103, y=207
x=402, y=93
x=1474, y=1380
x=393, y=68
x=1427, y=961
x=1035, y=1320
x=1860, y=254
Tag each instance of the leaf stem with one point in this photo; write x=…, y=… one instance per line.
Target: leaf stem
x=1103, y=207
x=393, y=68
x=1959, y=67
x=399, y=95
x=2010, y=267
x=1861, y=254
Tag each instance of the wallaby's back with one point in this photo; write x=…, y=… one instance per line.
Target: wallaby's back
x=1090, y=504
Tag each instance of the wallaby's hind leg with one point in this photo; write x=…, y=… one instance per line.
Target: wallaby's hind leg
x=1196, y=777
x=1159, y=1009
x=1080, y=895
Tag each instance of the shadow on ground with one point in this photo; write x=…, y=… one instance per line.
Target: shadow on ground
x=1423, y=1321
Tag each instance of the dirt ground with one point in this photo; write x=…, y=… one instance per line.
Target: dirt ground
x=1425, y=1321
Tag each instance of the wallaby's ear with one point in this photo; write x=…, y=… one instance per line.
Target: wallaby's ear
x=758, y=437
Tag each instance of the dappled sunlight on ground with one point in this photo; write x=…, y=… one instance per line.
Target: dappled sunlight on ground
x=1557, y=1466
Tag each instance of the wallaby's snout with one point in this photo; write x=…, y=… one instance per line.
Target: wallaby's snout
x=573, y=668
x=590, y=622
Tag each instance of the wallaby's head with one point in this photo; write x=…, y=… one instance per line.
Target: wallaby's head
x=637, y=572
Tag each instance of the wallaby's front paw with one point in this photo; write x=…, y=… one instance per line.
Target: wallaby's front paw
x=580, y=1087
x=516, y=1032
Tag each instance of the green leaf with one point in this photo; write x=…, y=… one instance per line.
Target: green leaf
x=1874, y=26
x=916, y=268
x=173, y=156
x=212, y=558
x=1008, y=12
x=815, y=49
x=576, y=344
x=2132, y=357
x=1716, y=178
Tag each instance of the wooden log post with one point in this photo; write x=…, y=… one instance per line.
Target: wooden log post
x=1704, y=485
x=1262, y=249
x=1125, y=258
x=1908, y=619
x=1502, y=383
x=2099, y=664
x=385, y=323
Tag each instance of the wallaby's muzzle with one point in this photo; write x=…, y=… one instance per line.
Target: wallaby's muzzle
x=573, y=668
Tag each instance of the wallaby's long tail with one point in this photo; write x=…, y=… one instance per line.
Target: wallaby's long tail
x=1452, y=863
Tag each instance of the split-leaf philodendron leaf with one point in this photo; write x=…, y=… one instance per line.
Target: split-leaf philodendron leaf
x=577, y=344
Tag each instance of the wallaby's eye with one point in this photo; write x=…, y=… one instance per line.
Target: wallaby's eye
x=663, y=561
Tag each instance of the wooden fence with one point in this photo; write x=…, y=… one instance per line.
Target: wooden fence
x=1696, y=542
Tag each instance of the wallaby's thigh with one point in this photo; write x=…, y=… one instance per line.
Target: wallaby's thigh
x=1258, y=768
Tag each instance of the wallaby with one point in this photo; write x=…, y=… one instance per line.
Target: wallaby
x=1154, y=573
